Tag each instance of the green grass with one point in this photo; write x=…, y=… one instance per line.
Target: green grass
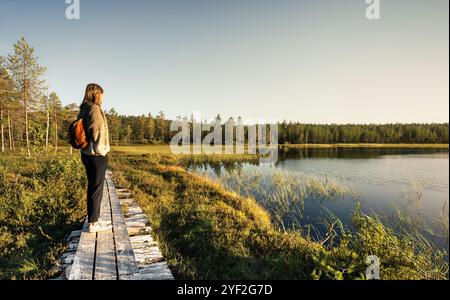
x=63, y=150
x=143, y=149
x=283, y=195
x=41, y=201
x=208, y=232
x=165, y=149
x=205, y=231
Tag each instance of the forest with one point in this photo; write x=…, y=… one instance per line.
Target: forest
x=34, y=118
x=42, y=198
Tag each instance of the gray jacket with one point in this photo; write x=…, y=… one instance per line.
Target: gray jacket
x=96, y=127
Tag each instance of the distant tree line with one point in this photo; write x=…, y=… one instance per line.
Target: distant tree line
x=144, y=129
x=33, y=118
x=297, y=133
x=150, y=129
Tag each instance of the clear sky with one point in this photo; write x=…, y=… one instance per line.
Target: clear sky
x=315, y=61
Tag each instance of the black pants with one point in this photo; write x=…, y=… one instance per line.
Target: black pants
x=95, y=171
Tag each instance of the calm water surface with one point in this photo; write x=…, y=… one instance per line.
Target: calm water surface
x=382, y=177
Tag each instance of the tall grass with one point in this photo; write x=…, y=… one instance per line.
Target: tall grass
x=282, y=194
x=208, y=231
x=408, y=219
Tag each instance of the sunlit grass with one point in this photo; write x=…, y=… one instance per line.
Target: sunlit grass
x=209, y=231
x=41, y=201
x=142, y=149
x=283, y=195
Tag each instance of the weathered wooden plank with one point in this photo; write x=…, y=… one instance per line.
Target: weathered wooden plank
x=135, y=276
x=73, y=235
x=83, y=263
x=67, y=258
x=148, y=255
x=126, y=201
x=126, y=263
x=133, y=209
x=157, y=271
x=105, y=260
x=114, y=255
x=139, y=239
x=137, y=218
x=72, y=246
x=137, y=230
x=136, y=221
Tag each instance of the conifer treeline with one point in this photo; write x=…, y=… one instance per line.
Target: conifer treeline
x=32, y=117
x=150, y=129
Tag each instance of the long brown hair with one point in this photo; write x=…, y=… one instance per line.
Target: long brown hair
x=92, y=92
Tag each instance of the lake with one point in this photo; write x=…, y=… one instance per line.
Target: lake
x=385, y=179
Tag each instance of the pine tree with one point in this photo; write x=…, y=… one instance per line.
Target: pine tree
x=26, y=74
x=56, y=110
x=113, y=125
x=150, y=128
x=5, y=93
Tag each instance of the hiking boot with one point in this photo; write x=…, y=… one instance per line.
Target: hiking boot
x=97, y=226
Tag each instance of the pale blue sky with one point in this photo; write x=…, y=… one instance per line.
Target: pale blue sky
x=310, y=61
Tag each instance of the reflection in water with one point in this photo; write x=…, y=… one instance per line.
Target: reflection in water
x=311, y=186
x=353, y=153
x=285, y=196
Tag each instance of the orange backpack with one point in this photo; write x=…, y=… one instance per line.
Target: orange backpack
x=77, y=136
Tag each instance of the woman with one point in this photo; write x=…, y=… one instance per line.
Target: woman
x=95, y=154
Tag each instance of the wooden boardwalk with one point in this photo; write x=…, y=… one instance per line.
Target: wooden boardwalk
x=106, y=255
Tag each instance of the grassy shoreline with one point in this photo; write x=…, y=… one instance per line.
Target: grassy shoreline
x=205, y=231
x=208, y=232
x=165, y=149
x=137, y=149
